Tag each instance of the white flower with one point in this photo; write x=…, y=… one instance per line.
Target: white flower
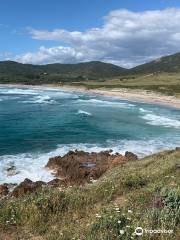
x=119, y=221
x=121, y=231
x=129, y=211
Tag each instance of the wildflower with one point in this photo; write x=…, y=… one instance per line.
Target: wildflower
x=98, y=216
x=119, y=221
x=121, y=231
x=117, y=209
x=129, y=219
x=129, y=211
x=128, y=226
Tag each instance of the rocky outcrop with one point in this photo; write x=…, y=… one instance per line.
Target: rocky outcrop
x=27, y=186
x=131, y=156
x=4, y=190
x=74, y=168
x=79, y=167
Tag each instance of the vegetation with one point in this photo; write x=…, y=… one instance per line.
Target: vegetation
x=161, y=75
x=165, y=64
x=13, y=72
x=142, y=193
x=165, y=83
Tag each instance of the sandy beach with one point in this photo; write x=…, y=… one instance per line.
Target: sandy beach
x=136, y=95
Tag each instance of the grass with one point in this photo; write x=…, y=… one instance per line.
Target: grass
x=143, y=193
x=165, y=83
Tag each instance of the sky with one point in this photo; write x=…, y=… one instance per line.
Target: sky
x=123, y=32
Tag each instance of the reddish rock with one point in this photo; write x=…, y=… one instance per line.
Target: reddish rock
x=4, y=190
x=56, y=183
x=177, y=148
x=79, y=167
x=131, y=156
x=27, y=186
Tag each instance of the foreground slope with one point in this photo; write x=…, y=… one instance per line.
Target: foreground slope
x=141, y=193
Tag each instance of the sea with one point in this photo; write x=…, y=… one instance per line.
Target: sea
x=39, y=123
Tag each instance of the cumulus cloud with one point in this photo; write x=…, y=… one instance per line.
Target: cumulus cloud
x=126, y=38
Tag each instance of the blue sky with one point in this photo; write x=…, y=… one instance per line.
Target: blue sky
x=28, y=30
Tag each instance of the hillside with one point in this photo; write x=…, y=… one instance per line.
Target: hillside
x=55, y=73
x=168, y=64
x=143, y=193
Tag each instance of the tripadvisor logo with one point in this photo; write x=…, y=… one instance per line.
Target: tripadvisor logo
x=139, y=231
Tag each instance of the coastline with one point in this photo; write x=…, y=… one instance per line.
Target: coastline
x=136, y=95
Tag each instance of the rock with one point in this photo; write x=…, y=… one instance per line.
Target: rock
x=78, y=167
x=11, y=171
x=4, y=190
x=131, y=156
x=177, y=148
x=26, y=186
x=117, y=161
x=56, y=183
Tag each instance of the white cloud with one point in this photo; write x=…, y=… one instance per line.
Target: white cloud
x=126, y=38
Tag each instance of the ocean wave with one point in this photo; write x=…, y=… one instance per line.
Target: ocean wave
x=57, y=94
x=98, y=102
x=142, y=110
x=18, y=91
x=84, y=113
x=156, y=120
x=32, y=166
x=40, y=100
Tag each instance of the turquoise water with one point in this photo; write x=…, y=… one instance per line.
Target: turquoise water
x=36, y=124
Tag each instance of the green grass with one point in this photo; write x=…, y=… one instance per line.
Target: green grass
x=164, y=83
x=149, y=188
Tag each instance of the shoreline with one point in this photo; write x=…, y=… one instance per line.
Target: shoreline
x=136, y=95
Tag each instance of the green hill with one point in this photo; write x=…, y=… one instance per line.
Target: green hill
x=168, y=64
x=54, y=73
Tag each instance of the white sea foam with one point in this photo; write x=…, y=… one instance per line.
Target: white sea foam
x=18, y=91
x=32, y=165
x=100, y=103
x=39, y=92
x=142, y=110
x=40, y=100
x=84, y=113
x=156, y=120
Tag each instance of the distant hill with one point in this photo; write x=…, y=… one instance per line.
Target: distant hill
x=14, y=72
x=169, y=64
x=52, y=73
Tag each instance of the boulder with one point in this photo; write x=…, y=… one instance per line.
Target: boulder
x=177, y=148
x=27, y=186
x=4, y=190
x=131, y=156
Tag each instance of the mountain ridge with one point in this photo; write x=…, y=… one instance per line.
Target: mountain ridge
x=11, y=71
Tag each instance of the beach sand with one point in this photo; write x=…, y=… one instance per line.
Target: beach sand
x=123, y=93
